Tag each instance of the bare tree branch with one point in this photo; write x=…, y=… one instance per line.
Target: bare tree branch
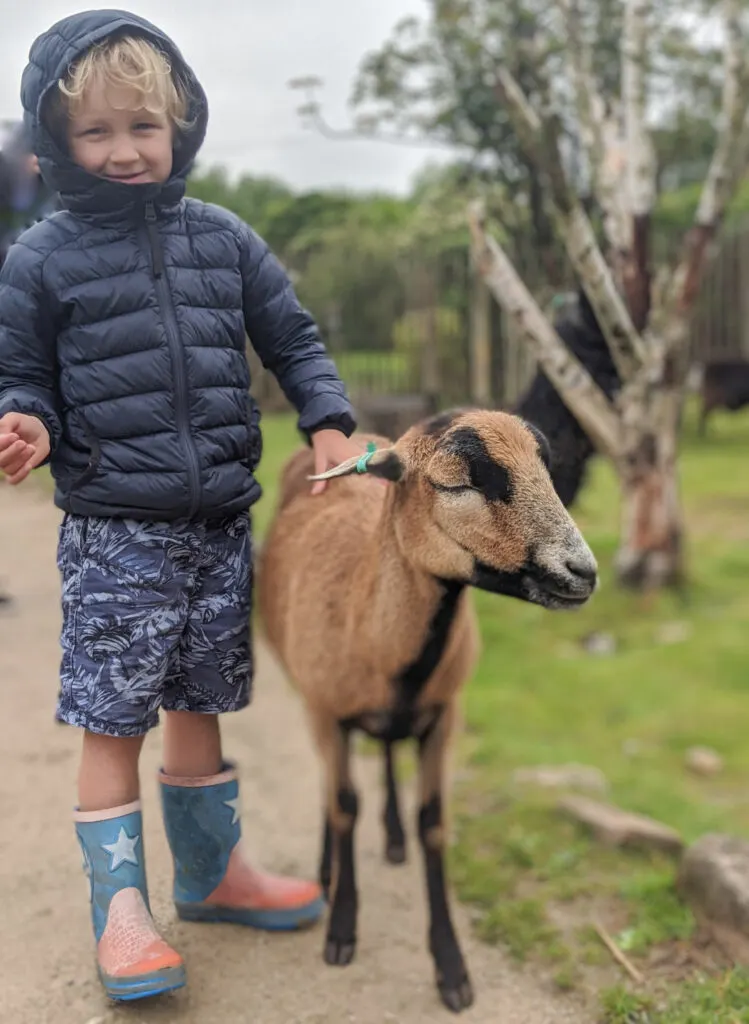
x=641, y=162
x=311, y=113
x=538, y=135
x=589, y=404
x=641, y=158
x=598, y=131
x=725, y=168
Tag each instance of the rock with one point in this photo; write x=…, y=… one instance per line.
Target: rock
x=673, y=633
x=615, y=827
x=563, y=776
x=599, y=643
x=714, y=879
x=703, y=761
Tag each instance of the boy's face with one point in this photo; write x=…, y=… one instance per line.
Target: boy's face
x=112, y=138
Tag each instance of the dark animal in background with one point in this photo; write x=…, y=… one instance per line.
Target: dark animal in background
x=724, y=385
x=541, y=404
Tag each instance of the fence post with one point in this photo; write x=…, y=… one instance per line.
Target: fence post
x=431, y=384
x=480, y=330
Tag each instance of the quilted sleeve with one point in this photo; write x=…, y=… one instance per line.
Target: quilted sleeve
x=27, y=341
x=287, y=340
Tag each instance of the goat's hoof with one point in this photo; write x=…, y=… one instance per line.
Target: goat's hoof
x=338, y=953
x=395, y=853
x=456, y=997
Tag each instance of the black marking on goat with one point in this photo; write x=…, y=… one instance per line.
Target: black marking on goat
x=340, y=941
x=405, y=720
x=411, y=680
x=544, y=449
x=389, y=468
x=487, y=476
x=452, y=977
x=516, y=582
x=498, y=581
x=395, y=724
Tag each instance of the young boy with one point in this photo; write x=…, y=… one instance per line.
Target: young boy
x=122, y=361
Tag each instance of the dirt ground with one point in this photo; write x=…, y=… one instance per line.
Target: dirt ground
x=234, y=975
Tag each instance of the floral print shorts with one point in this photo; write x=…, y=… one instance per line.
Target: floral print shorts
x=155, y=615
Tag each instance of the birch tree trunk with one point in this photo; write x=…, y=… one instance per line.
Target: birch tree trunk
x=651, y=548
x=647, y=335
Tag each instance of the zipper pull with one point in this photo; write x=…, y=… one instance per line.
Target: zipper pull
x=154, y=241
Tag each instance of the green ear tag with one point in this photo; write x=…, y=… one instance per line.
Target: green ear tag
x=361, y=466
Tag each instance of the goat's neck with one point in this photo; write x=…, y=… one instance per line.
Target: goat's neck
x=401, y=599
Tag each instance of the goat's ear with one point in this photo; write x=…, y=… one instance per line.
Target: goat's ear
x=385, y=464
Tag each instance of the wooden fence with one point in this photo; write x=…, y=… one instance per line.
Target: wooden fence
x=453, y=344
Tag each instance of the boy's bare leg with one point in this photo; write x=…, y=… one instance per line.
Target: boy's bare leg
x=108, y=774
x=192, y=745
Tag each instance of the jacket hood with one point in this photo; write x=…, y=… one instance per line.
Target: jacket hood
x=49, y=58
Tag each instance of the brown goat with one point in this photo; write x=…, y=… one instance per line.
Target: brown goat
x=364, y=594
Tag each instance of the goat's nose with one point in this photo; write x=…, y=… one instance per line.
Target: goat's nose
x=583, y=568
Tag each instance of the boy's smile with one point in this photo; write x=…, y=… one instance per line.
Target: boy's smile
x=113, y=136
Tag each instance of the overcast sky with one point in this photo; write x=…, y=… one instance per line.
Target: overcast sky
x=245, y=52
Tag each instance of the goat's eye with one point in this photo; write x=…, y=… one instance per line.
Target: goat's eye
x=492, y=479
x=454, y=488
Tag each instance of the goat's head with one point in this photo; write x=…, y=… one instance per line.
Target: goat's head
x=473, y=501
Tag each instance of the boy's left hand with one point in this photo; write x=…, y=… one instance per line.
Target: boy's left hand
x=331, y=447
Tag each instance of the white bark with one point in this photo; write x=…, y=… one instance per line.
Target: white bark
x=640, y=153
x=725, y=170
x=581, y=393
x=721, y=177
x=599, y=132
x=538, y=138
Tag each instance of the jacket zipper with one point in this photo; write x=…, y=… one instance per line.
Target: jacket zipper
x=176, y=350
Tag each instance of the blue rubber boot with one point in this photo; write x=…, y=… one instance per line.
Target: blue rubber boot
x=133, y=960
x=212, y=879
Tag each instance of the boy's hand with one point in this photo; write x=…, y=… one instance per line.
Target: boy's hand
x=24, y=444
x=331, y=447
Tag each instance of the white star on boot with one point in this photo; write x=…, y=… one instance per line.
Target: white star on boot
x=233, y=805
x=123, y=850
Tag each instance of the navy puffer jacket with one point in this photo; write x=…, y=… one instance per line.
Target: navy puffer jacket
x=123, y=319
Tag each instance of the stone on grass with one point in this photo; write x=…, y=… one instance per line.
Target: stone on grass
x=562, y=776
x=673, y=633
x=703, y=761
x=714, y=879
x=616, y=827
x=599, y=643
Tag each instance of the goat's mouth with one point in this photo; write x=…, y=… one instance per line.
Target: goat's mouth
x=534, y=584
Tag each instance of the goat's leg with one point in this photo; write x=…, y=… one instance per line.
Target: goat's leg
x=395, y=837
x=341, y=813
x=707, y=408
x=326, y=855
x=452, y=977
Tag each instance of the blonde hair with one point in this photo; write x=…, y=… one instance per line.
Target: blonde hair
x=127, y=62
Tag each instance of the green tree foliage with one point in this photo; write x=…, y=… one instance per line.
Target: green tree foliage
x=434, y=78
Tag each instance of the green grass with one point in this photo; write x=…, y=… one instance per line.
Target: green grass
x=677, y=677
x=700, y=1001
